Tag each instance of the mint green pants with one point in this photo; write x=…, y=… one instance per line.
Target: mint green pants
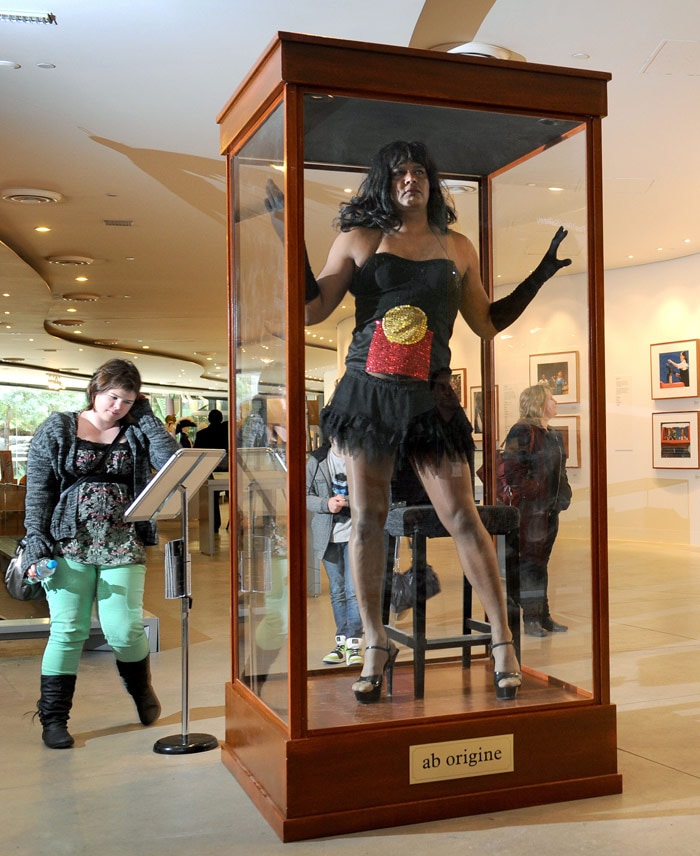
x=71, y=593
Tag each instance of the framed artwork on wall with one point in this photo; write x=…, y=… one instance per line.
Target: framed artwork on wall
x=559, y=373
x=476, y=410
x=569, y=428
x=674, y=369
x=675, y=440
x=459, y=384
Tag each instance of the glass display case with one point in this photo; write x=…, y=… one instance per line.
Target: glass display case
x=519, y=149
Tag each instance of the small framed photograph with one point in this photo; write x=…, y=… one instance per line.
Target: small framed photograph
x=675, y=441
x=476, y=410
x=559, y=373
x=674, y=369
x=459, y=384
x=569, y=428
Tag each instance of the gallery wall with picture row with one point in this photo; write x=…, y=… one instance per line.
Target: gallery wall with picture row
x=652, y=351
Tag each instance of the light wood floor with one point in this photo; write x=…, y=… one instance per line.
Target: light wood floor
x=113, y=795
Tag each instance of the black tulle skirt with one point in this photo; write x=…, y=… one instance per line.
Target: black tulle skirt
x=380, y=416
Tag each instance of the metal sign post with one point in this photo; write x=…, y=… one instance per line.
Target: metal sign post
x=165, y=497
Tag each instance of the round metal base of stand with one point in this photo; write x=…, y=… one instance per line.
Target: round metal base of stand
x=185, y=744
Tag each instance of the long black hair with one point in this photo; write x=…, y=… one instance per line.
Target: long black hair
x=373, y=205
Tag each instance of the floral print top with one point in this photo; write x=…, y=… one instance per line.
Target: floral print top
x=102, y=536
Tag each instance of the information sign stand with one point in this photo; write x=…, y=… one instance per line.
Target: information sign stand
x=165, y=497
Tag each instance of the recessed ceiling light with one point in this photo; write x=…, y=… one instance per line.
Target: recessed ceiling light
x=42, y=229
x=8, y=63
x=461, y=186
x=30, y=195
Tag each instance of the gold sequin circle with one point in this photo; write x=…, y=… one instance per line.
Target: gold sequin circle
x=405, y=325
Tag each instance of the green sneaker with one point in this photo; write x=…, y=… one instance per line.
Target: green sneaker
x=337, y=655
x=353, y=652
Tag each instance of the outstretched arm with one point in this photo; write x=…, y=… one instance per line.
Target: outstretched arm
x=504, y=311
x=486, y=318
x=324, y=293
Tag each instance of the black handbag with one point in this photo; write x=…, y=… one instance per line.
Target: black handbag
x=402, y=588
x=18, y=586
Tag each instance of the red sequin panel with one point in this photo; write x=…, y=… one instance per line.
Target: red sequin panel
x=394, y=358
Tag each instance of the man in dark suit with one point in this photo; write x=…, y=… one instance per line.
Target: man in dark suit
x=215, y=436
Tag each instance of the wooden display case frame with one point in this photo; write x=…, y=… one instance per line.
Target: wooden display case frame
x=312, y=783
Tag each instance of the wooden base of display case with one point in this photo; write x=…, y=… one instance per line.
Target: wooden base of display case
x=403, y=772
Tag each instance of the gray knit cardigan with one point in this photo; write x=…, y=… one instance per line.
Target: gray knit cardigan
x=51, y=514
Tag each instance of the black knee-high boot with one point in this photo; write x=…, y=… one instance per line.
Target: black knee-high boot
x=137, y=680
x=54, y=709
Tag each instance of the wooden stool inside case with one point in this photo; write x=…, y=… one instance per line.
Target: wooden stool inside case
x=420, y=522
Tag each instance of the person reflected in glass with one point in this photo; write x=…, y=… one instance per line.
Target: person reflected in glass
x=215, y=436
x=328, y=500
x=410, y=274
x=254, y=431
x=182, y=433
x=535, y=467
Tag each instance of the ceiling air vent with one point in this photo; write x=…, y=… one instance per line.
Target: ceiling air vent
x=30, y=195
x=67, y=322
x=81, y=297
x=119, y=222
x=70, y=260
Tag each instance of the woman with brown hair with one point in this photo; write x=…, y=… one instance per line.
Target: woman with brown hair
x=83, y=471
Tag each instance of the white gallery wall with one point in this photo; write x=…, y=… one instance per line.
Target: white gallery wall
x=647, y=305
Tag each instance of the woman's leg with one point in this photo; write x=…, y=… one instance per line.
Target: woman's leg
x=548, y=623
x=70, y=594
x=535, y=548
x=448, y=486
x=120, y=610
x=368, y=487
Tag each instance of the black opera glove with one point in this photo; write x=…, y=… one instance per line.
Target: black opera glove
x=274, y=201
x=274, y=197
x=311, y=289
x=506, y=310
